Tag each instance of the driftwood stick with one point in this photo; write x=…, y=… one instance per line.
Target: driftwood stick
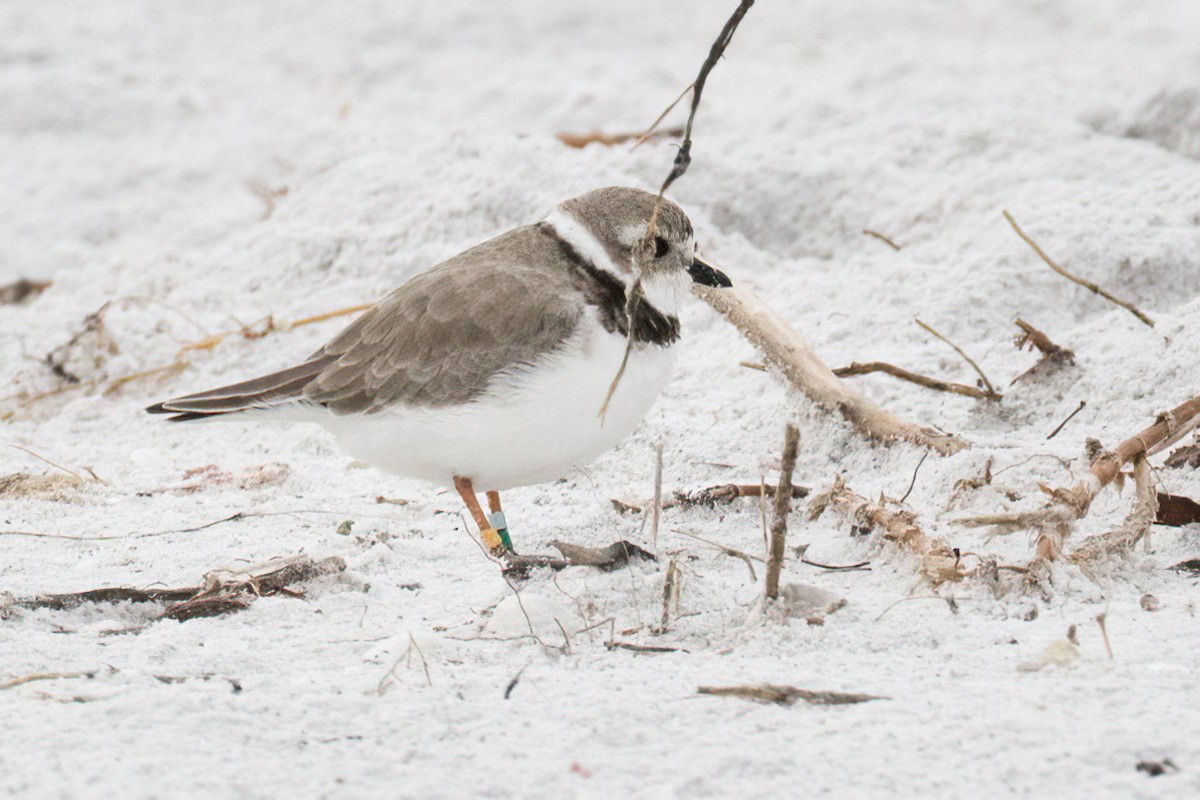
x=991, y=393
x=1091, y=287
x=857, y=368
x=1053, y=521
x=783, y=504
x=787, y=351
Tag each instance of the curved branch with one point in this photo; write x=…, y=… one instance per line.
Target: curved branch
x=786, y=350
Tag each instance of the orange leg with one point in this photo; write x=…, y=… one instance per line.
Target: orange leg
x=493, y=501
x=490, y=536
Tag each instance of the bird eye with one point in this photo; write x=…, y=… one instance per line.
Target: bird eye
x=660, y=247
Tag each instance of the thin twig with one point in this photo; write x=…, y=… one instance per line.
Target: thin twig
x=656, y=510
x=1063, y=424
x=882, y=238
x=670, y=590
x=1091, y=287
x=682, y=159
x=861, y=565
x=949, y=601
x=729, y=551
x=42, y=458
x=992, y=394
x=649, y=132
x=783, y=504
x=856, y=369
x=912, y=484
x=1101, y=619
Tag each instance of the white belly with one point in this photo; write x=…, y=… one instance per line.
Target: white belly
x=544, y=424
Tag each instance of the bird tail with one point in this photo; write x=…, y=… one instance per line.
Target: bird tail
x=268, y=391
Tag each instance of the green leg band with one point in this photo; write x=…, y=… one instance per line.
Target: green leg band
x=497, y=521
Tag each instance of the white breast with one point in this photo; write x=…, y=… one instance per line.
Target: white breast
x=533, y=427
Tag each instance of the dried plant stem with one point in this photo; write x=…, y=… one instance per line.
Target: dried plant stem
x=682, y=159
x=787, y=351
x=882, y=238
x=1101, y=620
x=729, y=551
x=110, y=386
x=580, y=140
x=670, y=593
x=1096, y=550
x=991, y=393
x=857, y=368
x=1053, y=521
x=1032, y=336
x=656, y=509
x=221, y=592
x=209, y=342
x=649, y=132
x=783, y=505
x=45, y=676
x=939, y=563
x=1082, y=405
x=1091, y=287
x=788, y=695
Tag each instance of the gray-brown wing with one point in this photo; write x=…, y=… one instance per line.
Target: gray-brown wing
x=442, y=337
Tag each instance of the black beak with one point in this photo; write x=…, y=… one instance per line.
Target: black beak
x=706, y=274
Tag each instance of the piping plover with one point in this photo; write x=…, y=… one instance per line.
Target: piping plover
x=489, y=370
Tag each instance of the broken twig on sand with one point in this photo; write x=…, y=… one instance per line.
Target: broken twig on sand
x=222, y=592
x=783, y=505
x=788, y=695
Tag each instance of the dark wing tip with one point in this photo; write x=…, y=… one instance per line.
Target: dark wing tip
x=184, y=417
x=158, y=408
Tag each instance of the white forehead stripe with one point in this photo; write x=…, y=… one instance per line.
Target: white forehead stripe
x=571, y=231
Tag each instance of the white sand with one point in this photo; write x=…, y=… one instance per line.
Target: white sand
x=406, y=132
